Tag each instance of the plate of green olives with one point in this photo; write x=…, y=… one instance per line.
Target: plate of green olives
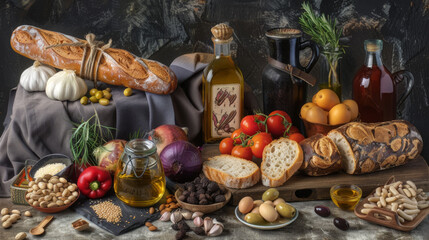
x=254, y=220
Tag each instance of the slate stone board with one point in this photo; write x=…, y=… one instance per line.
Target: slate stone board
x=132, y=217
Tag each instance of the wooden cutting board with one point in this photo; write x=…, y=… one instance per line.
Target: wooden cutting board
x=304, y=188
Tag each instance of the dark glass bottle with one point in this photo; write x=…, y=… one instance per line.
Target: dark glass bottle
x=280, y=91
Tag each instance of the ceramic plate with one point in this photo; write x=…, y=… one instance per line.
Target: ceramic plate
x=269, y=226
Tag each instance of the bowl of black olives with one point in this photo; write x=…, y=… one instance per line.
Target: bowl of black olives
x=202, y=195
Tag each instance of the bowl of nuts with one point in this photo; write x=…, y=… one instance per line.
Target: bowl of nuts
x=51, y=194
x=202, y=195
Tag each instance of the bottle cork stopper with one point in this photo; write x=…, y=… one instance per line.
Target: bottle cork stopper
x=222, y=32
x=371, y=47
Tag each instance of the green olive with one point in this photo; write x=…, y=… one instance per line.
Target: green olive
x=108, y=89
x=104, y=101
x=93, y=99
x=99, y=95
x=84, y=100
x=254, y=218
x=285, y=210
x=270, y=195
x=107, y=94
x=93, y=91
x=128, y=92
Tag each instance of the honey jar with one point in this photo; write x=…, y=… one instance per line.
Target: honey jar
x=139, y=179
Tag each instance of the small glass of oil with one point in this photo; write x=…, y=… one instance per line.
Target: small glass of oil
x=346, y=196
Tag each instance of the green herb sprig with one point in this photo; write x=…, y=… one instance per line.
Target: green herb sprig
x=87, y=136
x=322, y=29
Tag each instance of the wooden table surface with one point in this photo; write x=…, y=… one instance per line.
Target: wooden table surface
x=307, y=226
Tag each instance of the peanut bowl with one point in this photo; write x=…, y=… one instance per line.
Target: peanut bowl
x=54, y=209
x=203, y=208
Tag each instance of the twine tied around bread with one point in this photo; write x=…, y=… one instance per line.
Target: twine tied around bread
x=94, y=58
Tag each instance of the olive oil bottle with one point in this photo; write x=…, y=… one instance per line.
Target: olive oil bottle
x=223, y=89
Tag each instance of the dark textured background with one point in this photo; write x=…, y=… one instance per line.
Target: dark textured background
x=165, y=29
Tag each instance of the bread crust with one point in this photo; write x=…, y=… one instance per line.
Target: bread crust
x=294, y=167
x=230, y=181
x=378, y=146
x=321, y=156
x=117, y=66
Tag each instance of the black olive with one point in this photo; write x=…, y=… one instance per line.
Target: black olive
x=175, y=227
x=183, y=226
x=322, y=211
x=180, y=235
x=220, y=198
x=341, y=223
x=182, y=198
x=198, y=231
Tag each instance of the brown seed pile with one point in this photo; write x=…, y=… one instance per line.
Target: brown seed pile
x=108, y=211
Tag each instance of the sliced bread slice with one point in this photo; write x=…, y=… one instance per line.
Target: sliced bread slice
x=280, y=160
x=232, y=171
x=348, y=160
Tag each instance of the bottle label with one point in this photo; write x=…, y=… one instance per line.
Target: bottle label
x=226, y=109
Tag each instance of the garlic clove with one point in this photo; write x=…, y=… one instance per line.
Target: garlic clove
x=198, y=222
x=176, y=217
x=165, y=217
x=208, y=224
x=197, y=214
x=216, y=222
x=216, y=230
x=186, y=214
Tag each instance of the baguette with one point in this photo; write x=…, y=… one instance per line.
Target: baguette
x=231, y=171
x=280, y=160
x=370, y=147
x=321, y=156
x=117, y=66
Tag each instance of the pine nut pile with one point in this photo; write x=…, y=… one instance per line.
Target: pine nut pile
x=108, y=211
x=405, y=199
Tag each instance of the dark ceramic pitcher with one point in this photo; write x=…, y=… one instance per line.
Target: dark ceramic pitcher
x=280, y=91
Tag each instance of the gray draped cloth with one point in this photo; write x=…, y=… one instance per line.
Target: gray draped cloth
x=36, y=126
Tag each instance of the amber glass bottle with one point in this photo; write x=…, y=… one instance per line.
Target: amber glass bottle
x=223, y=89
x=373, y=86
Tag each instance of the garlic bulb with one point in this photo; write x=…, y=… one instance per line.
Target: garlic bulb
x=35, y=77
x=66, y=85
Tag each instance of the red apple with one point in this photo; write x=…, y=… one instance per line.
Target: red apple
x=166, y=134
x=108, y=155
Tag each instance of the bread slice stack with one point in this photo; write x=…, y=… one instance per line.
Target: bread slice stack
x=233, y=172
x=280, y=160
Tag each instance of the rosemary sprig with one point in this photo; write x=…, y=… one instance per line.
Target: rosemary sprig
x=87, y=136
x=322, y=29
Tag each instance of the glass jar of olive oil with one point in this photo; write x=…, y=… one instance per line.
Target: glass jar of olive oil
x=139, y=178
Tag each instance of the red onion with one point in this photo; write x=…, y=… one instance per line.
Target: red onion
x=181, y=161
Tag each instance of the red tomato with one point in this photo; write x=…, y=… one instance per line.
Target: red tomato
x=236, y=136
x=276, y=124
x=226, y=145
x=242, y=152
x=293, y=129
x=250, y=126
x=298, y=137
x=258, y=143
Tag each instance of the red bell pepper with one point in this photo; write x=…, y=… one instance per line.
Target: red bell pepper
x=94, y=182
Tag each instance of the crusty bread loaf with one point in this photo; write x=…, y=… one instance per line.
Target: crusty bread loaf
x=232, y=171
x=369, y=147
x=321, y=156
x=280, y=160
x=117, y=66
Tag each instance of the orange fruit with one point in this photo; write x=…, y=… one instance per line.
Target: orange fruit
x=339, y=114
x=305, y=108
x=353, y=107
x=326, y=99
x=316, y=115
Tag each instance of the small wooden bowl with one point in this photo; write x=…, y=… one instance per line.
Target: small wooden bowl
x=315, y=128
x=55, y=209
x=203, y=208
x=389, y=218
